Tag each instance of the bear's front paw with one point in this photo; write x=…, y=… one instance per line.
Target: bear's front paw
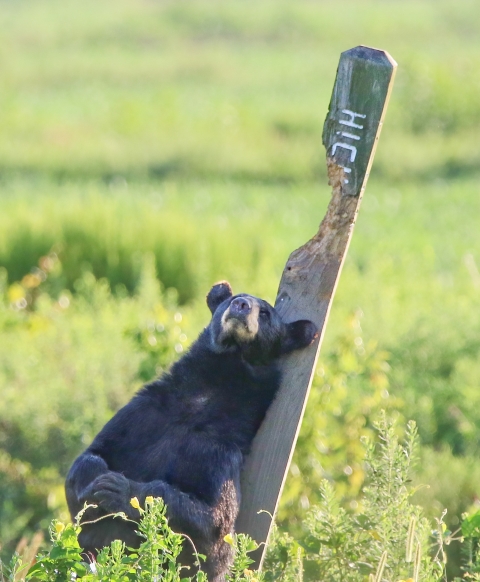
x=112, y=492
x=299, y=334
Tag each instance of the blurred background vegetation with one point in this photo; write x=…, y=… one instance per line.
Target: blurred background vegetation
x=149, y=148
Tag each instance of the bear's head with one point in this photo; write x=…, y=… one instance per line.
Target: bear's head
x=251, y=326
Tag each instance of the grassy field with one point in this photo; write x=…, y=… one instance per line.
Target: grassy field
x=192, y=129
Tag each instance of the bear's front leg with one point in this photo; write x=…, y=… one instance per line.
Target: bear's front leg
x=112, y=492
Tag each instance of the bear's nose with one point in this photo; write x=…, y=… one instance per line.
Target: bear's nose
x=240, y=306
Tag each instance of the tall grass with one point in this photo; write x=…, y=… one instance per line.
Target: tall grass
x=412, y=267
x=239, y=90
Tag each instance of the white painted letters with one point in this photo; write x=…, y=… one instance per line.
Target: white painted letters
x=350, y=122
x=350, y=135
x=353, y=149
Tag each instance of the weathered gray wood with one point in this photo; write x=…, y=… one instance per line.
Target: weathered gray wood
x=352, y=127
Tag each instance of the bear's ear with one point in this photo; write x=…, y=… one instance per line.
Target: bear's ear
x=300, y=334
x=217, y=294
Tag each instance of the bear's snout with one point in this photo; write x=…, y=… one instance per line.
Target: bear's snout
x=240, y=307
x=239, y=322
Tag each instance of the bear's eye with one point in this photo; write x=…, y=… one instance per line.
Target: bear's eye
x=264, y=313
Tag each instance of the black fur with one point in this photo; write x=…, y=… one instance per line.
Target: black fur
x=184, y=436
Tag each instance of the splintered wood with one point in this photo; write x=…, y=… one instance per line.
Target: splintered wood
x=328, y=245
x=352, y=127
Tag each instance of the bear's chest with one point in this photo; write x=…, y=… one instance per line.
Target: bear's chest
x=184, y=434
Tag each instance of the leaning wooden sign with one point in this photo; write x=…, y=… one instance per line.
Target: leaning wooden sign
x=350, y=135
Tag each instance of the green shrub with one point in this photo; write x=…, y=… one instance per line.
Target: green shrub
x=386, y=538
x=154, y=560
x=350, y=388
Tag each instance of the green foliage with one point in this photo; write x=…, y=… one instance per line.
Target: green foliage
x=107, y=231
x=447, y=413
x=386, y=538
x=132, y=338
x=239, y=572
x=470, y=531
x=155, y=559
x=350, y=387
x=284, y=558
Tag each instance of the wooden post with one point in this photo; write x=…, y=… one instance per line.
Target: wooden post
x=350, y=135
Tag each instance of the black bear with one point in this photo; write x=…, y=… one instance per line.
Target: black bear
x=184, y=436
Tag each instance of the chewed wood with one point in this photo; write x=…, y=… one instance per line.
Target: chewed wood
x=360, y=96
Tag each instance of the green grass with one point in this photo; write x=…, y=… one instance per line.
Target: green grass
x=237, y=89
x=410, y=260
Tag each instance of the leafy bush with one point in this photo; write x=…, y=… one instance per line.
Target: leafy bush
x=350, y=388
x=156, y=558
x=386, y=538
